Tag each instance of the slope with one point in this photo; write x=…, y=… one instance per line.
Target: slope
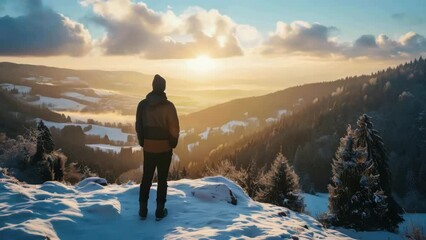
x=395, y=98
x=197, y=209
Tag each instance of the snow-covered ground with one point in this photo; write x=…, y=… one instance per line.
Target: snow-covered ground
x=104, y=92
x=191, y=146
x=114, y=134
x=19, y=88
x=230, y=126
x=58, y=103
x=318, y=204
x=197, y=209
x=81, y=97
x=112, y=148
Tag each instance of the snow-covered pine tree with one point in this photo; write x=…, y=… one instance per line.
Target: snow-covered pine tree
x=368, y=138
x=44, y=141
x=280, y=186
x=356, y=199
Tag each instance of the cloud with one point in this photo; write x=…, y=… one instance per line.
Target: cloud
x=301, y=37
x=135, y=29
x=42, y=32
x=382, y=46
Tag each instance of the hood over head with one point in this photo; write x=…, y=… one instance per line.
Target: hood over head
x=158, y=84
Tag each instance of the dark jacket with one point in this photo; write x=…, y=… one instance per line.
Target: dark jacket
x=157, y=124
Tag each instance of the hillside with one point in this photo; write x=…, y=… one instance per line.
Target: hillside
x=395, y=98
x=197, y=209
x=265, y=106
x=16, y=114
x=98, y=91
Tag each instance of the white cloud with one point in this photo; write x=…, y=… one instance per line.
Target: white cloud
x=42, y=32
x=135, y=29
x=301, y=37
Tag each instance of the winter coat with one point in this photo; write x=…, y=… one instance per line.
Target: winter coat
x=157, y=124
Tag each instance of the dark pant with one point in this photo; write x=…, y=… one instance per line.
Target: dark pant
x=161, y=161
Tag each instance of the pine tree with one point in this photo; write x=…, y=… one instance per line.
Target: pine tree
x=368, y=138
x=45, y=138
x=356, y=199
x=280, y=186
x=45, y=143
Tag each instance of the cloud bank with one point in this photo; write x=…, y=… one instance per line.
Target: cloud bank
x=132, y=28
x=42, y=32
x=303, y=38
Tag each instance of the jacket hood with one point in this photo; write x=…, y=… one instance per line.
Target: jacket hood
x=155, y=98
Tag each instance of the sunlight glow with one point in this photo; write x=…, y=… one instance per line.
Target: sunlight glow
x=202, y=64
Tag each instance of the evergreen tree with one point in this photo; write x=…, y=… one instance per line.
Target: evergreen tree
x=280, y=186
x=368, y=138
x=45, y=143
x=356, y=199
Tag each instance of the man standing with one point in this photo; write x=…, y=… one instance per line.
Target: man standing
x=157, y=128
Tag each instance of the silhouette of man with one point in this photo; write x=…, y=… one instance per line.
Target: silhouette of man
x=157, y=128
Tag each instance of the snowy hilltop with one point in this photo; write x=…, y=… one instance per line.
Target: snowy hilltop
x=211, y=208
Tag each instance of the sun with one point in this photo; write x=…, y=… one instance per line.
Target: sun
x=201, y=64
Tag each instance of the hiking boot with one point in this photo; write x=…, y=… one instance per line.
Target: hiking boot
x=143, y=210
x=161, y=212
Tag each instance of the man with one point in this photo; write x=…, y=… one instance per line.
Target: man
x=157, y=128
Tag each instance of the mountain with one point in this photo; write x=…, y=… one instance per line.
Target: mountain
x=261, y=107
x=213, y=208
x=395, y=98
x=15, y=115
x=114, y=91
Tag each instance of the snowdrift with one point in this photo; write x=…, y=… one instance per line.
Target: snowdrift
x=209, y=208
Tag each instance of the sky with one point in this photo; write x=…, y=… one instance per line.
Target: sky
x=269, y=44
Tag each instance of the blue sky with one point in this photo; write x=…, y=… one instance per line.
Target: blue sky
x=241, y=37
x=352, y=18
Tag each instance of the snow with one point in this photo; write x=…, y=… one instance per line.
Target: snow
x=197, y=209
x=46, y=83
x=81, y=97
x=230, y=126
x=282, y=112
x=115, y=134
x=111, y=148
x=191, y=146
x=58, y=103
x=318, y=204
x=271, y=120
x=30, y=78
x=19, y=88
x=105, y=148
x=204, y=135
x=104, y=92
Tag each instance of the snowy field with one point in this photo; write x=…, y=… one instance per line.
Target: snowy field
x=197, y=209
x=58, y=103
x=19, y=88
x=81, y=97
x=114, y=134
x=112, y=148
x=318, y=204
